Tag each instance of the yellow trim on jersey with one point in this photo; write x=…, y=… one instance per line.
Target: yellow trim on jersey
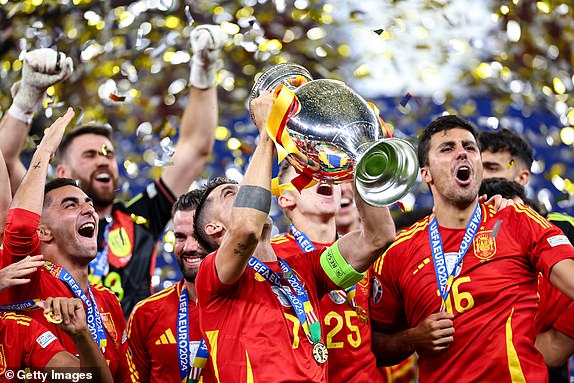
x=401, y=237
x=532, y=215
x=516, y=374
x=212, y=340
x=155, y=297
x=20, y=319
x=280, y=239
x=249, y=371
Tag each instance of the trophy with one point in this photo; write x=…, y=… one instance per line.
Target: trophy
x=339, y=138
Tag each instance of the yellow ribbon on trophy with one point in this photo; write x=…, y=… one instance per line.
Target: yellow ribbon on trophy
x=286, y=106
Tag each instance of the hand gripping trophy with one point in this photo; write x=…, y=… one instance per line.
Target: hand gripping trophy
x=330, y=134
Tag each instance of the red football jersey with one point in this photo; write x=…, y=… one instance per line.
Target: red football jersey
x=25, y=343
x=552, y=305
x=152, y=337
x=252, y=332
x=493, y=296
x=565, y=323
x=21, y=239
x=347, y=338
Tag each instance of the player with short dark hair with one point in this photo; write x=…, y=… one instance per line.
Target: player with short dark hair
x=482, y=263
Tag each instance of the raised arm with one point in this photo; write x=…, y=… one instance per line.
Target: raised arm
x=251, y=206
x=361, y=248
x=41, y=69
x=199, y=120
x=71, y=312
x=30, y=194
x=5, y=195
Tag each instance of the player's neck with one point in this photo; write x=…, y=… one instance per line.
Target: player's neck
x=104, y=211
x=452, y=216
x=190, y=286
x=316, y=230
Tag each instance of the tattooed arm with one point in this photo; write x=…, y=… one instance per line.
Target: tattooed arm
x=251, y=205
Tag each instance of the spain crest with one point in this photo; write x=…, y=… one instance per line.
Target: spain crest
x=108, y=322
x=484, y=245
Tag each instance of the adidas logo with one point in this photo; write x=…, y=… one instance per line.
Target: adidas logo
x=166, y=338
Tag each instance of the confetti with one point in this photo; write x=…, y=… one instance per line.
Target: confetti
x=401, y=206
x=379, y=31
x=188, y=15
x=406, y=99
x=117, y=98
x=510, y=164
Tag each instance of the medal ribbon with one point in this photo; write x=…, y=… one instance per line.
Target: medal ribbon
x=307, y=245
x=300, y=300
x=98, y=267
x=445, y=279
x=28, y=305
x=93, y=317
x=183, y=349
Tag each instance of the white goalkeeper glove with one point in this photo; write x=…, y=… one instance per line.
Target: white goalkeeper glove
x=42, y=68
x=206, y=42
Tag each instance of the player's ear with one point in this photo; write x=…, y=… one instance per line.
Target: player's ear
x=214, y=229
x=286, y=201
x=426, y=175
x=44, y=233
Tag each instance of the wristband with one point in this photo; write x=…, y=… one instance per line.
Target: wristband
x=20, y=114
x=338, y=269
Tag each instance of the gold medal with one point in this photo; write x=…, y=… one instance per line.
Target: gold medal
x=362, y=314
x=320, y=352
x=51, y=317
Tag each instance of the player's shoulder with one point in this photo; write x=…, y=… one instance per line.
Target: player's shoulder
x=14, y=319
x=281, y=239
x=519, y=211
x=105, y=297
x=157, y=300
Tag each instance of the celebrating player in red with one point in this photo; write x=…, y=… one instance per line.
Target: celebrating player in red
x=243, y=287
x=159, y=323
x=465, y=276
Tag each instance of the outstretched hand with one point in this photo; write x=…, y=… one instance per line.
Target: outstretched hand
x=14, y=274
x=54, y=134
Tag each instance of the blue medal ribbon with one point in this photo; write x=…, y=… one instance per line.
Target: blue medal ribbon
x=443, y=277
x=93, y=316
x=28, y=305
x=307, y=245
x=99, y=266
x=299, y=300
x=190, y=371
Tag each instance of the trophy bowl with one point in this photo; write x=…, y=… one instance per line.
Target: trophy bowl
x=340, y=138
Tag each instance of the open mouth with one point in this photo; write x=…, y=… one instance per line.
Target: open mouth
x=325, y=189
x=463, y=175
x=345, y=202
x=103, y=177
x=87, y=230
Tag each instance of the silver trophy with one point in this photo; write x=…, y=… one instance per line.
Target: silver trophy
x=340, y=138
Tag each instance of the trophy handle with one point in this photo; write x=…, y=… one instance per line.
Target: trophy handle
x=385, y=171
x=286, y=74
